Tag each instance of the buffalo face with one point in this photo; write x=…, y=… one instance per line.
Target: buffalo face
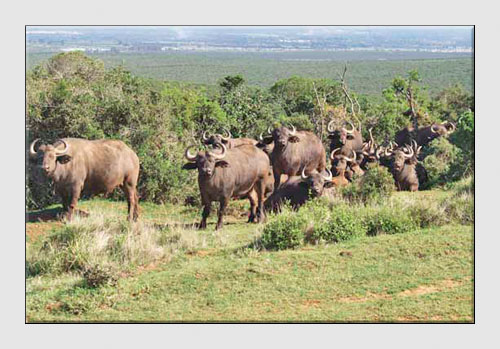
x=340, y=136
x=316, y=182
x=282, y=136
x=206, y=161
x=217, y=138
x=47, y=156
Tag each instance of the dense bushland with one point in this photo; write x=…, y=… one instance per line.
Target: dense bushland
x=73, y=95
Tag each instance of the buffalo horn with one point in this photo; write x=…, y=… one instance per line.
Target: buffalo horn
x=332, y=154
x=432, y=129
x=221, y=155
x=228, y=137
x=269, y=130
x=352, y=128
x=303, y=174
x=65, y=150
x=350, y=159
x=294, y=130
x=330, y=126
x=188, y=155
x=32, y=147
x=329, y=177
x=205, y=138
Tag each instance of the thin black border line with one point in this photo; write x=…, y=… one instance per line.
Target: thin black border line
x=250, y=322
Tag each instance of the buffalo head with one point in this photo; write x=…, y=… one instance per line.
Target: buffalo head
x=205, y=161
x=343, y=134
x=217, y=138
x=339, y=161
x=281, y=136
x=316, y=182
x=48, y=155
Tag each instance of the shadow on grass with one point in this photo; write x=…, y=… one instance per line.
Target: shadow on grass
x=50, y=215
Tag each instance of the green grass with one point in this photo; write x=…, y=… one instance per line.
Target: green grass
x=424, y=275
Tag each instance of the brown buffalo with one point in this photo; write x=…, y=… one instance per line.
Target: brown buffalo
x=227, y=140
x=90, y=167
x=295, y=151
x=425, y=134
x=404, y=166
x=346, y=140
x=344, y=167
x=234, y=173
x=298, y=189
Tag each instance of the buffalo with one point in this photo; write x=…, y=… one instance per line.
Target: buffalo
x=233, y=173
x=295, y=151
x=346, y=140
x=404, y=166
x=298, y=189
x=425, y=134
x=227, y=140
x=341, y=166
x=90, y=167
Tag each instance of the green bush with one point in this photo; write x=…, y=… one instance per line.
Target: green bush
x=438, y=157
x=343, y=223
x=389, y=220
x=376, y=185
x=284, y=231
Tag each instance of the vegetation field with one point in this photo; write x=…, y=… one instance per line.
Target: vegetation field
x=166, y=271
x=369, y=72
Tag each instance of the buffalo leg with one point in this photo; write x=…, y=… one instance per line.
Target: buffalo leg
x=277, y=179
x=222, y=209
x=131, y=194
x=204, y=215
x=252, y=197
x=75, y=195
x=260, y=188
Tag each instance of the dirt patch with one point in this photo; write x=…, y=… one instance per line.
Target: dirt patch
x=369, y=296
x=426, y=289
x=202, y=253
x=311, y=302
x=35, y=230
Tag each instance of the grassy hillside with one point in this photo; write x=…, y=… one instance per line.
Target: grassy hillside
x=369, y=72
x=189, y=275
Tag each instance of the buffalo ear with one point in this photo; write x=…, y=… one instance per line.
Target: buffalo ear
x=293, y=139
x=328, y=184
x=190, y=166
x=221, y=163
x=63, y=159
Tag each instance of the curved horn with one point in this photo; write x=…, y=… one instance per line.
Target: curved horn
x=261, y=138
x=377, y=153
x=352, y=128
x=332, y=154
x=330, y=126
x=414, y=144
x=228, y=137
x=221, y=155
x=432, y=129
x=453, y=127
x=205, y=138
x=188, y=155
x=65, y=150
x=303, y=174
x=294, y=130
x=350, y=159
x=269, y=130
x=329, y=177
x=371, y=136
x=366, y=145
x=407, y=156
x=32, y=147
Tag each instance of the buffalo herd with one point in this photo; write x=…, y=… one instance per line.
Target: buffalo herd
x=241, y=168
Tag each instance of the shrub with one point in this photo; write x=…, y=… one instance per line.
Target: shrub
x=389, y=220
x=97, y=275
x=438, y=157
x=375, y=185
x=343, y=223
x=284, y=231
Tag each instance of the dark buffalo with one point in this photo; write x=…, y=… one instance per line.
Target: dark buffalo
x=298, y=189
x=234, y=173
x=404, y=166
x=346, y=140
x=90, y=167
x=227, y=140
x=425, y=134
x=295, y=151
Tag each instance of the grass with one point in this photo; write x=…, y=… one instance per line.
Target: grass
x=420, y=276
